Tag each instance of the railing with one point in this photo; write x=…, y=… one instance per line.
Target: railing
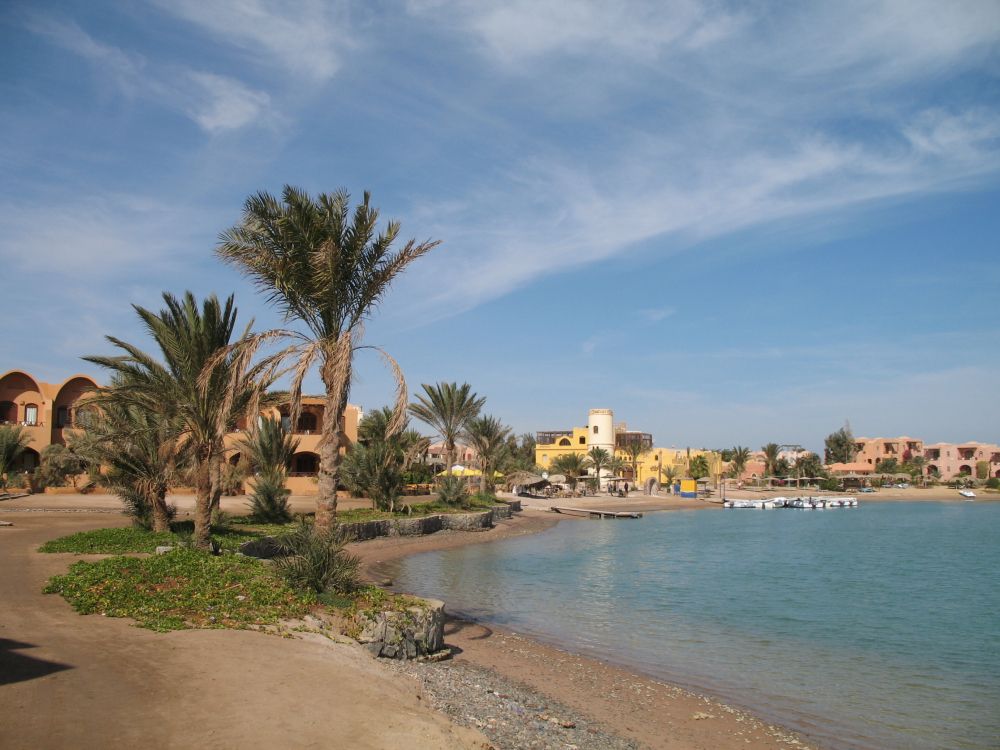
x=22, y=423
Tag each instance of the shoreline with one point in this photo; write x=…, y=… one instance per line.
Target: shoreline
x=641, y=708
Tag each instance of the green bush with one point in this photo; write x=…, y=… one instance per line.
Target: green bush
x=269, y=501
x=184, y=588
x=993, y=483
x=832, y=485
x=452, y=492
x=315, y=560
x=58, y=466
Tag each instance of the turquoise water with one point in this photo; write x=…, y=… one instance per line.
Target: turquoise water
x=866, y=628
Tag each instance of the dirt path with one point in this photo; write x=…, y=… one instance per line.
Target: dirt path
x=68, y=681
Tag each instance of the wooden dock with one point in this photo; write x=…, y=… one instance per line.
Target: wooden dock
x=595, y=513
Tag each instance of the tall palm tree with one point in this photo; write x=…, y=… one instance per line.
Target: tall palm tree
x=447, y=408
x=201, y=384
x=14, y=442
x=741, y=457
x=488, y=437
x=771, y=451
x=599, y=459
x=328, y=269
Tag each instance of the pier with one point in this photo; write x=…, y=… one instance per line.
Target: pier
x=595, y=513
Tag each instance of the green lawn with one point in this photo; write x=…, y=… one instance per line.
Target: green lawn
x=129, y=539
x=184, y=588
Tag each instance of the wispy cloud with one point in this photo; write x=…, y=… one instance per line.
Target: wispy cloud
x=302, y=37
x=752, y=131
x=656, y=314
x=214, y=102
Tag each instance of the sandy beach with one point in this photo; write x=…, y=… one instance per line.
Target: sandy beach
x=171, y=667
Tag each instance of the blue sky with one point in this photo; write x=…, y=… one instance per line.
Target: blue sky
x=731, y=223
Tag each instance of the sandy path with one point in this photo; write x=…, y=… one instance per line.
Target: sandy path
x=68, y=681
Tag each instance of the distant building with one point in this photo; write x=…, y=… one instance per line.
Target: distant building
x=950, y=460
x=602, y=432
x=872, y=450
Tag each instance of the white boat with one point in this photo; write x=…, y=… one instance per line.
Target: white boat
x=739, y=504
x=967, y=494
x=807, y=503
x=841, y=502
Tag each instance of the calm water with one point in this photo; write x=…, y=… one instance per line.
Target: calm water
x=865, y=628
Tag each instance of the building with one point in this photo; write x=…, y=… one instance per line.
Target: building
x=602, y=432
x=46, y=411
x=49, y=412
x=950, y=460
x=871, y=451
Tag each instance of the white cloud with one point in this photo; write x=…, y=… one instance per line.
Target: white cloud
x=214, y=102
x=302, y=37
x=223, y=103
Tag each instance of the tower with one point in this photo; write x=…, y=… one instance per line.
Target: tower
x=601, y=430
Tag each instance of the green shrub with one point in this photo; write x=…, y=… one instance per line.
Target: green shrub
x=452, y=492
x=993, y=483
x=269, y=501
x=59, y=465
x=184, y=588
x=315, y=560
x=832, y=485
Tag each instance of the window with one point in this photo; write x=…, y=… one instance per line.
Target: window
x=595, y=429
x=307, y=422
x=62, y=416
x=8, y=411
x=564, y=441
x=583, y=440
x=31, y=414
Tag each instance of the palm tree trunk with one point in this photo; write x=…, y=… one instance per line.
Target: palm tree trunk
x=336, y=376
x=216, y=474
x=158, y=501
x=203, y=504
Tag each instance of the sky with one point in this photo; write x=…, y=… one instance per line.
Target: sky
x=732, y=223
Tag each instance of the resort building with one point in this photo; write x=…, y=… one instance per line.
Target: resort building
x=46, y=411
x=950, y=460
x=49, y=413
x=307, y=430
x=872, y=450
x=436, y=456
x=602, y=432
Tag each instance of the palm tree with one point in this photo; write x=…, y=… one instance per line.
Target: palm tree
x=771, y=451
x=140, y=450
x=698, y=467
x=670, y=474
x=327, y=269
x=14, y=442
x=633, y=449
x=599, y=459
x=268, y=446
x=202, y=386
x=487, y=436
x=740, y=459
x=447, y=408
x=573, y=465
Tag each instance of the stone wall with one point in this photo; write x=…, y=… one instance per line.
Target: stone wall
x=410, y=633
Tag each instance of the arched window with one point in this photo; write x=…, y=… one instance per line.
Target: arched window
x=305, y=463
x=564, y=441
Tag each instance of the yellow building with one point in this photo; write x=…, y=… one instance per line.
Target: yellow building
x=48, y=413
x=602, y=432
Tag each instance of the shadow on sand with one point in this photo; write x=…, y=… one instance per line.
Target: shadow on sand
x=17, y=667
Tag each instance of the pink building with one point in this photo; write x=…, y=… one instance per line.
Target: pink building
x=950, y=460
x=872, y=450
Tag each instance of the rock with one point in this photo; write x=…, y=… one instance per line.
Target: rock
x=698, y=716
x=264, y=548
x=165, y=549
x=417, y=631
x=6, y=523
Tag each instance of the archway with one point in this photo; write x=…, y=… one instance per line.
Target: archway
x=965, y=469
x=8, y=412
x=64, y=406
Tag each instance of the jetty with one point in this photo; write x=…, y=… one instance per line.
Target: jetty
x=595, y=513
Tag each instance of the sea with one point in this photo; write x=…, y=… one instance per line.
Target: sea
x=868, y=627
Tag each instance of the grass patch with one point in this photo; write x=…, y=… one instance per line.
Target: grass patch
x=417, y=510
x=182, y=589
x=122, y=541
